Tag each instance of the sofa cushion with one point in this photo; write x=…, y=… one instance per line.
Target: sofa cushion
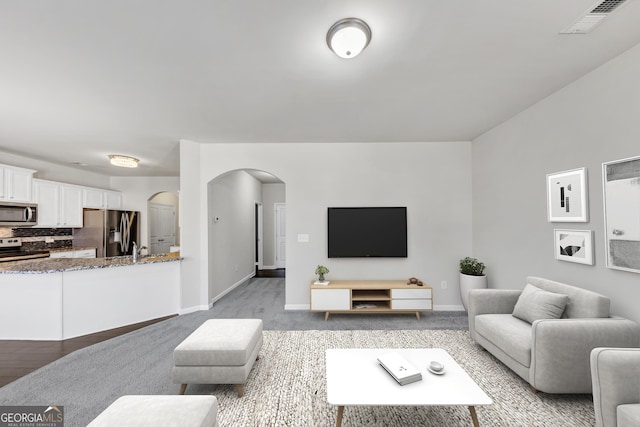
x=511, y=335
x=582, y=303
x=629, y=415
x=535, y=304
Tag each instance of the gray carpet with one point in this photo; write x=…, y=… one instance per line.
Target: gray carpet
x=264, y=299
x=88, y=380
x=287, y=386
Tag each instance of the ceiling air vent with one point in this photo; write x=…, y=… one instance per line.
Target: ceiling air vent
x=593, y=17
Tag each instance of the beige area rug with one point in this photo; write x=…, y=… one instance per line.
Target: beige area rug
x=287, y=386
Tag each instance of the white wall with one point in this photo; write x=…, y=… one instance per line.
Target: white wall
x=432, y=179
x=593, y=120
x=231, y=212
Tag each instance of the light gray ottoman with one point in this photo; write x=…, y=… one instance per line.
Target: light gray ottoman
x=169, y=411
x=220, y=351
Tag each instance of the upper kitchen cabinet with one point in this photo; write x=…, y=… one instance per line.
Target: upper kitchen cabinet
x=101, y=199
x=15, y=184
x=59, y=205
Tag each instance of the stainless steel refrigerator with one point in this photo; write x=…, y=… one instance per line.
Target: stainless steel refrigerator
x=112, y=232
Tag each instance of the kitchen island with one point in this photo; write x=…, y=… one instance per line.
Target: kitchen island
x=62, y=298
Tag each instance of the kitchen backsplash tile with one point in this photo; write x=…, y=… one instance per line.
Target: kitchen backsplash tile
x=34, y=232
x=40, y=238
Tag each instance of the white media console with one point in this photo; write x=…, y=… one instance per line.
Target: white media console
x=371, y=296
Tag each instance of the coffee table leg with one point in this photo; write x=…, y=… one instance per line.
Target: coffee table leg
x=474, y=416
x=339, y=417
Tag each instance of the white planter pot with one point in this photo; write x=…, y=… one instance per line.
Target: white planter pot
x=470, y=282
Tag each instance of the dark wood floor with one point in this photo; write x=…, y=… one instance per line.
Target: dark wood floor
x=20, y=357
x=278, y=272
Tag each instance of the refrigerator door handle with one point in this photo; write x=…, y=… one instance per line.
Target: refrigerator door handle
x=124, y=230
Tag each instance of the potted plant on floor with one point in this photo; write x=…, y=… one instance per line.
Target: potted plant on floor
x=471, y=277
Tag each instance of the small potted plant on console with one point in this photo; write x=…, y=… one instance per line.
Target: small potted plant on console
x=321, y=270
x=471, y=277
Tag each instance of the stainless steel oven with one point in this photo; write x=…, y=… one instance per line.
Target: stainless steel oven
x=11, y=250
x=18, y=214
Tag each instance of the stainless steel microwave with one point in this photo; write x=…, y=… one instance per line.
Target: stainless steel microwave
x=18, y=214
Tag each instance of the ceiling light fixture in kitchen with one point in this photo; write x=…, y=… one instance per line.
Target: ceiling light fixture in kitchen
x=348, y=37
x=123, y=161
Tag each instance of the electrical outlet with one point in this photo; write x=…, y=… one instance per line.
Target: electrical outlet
x=444, y=284
x=236, y=267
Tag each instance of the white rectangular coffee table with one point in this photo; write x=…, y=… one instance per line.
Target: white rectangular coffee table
x=354, y=377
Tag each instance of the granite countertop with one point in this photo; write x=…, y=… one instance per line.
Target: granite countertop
x=56, y=265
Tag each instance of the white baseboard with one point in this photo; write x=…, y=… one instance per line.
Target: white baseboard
x=297, y=307
x=448, y=308
x=269, y=267
x=232, y=287
x=193, y=309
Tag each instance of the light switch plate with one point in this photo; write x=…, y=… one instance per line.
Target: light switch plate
x=303, y=238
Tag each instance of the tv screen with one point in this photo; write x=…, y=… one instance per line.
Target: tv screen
x=367, y=232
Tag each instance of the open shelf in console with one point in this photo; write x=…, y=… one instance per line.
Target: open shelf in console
x=370, y=295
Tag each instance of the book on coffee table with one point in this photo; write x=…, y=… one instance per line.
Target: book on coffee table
x=398, y=367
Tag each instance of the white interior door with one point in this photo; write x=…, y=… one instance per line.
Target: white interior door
x=162, y=228
x=259, y=236
x=281, y=237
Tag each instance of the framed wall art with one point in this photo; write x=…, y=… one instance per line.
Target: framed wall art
x=574, y=246
x=621, y=187
x=567, y=196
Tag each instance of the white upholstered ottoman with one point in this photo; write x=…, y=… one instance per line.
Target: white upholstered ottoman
x=169, y=411
x=220, y=351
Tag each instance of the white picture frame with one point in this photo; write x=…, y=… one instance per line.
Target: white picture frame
x=621, y=202
x=567, y=196
x=573, y=245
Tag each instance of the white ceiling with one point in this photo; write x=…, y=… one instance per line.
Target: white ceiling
x=80, y=79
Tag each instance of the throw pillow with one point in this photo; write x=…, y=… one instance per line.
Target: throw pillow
x=535, y=303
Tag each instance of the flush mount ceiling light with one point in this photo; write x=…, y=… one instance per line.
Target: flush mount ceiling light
x=123, y=161
x=348, y=37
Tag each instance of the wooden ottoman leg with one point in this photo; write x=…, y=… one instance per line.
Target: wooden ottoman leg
x=183, y=388
x=240, y=390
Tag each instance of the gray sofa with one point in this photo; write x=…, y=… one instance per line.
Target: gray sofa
x=549, y=343
x=615, y=374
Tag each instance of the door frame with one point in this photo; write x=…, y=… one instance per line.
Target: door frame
x=280, y=263
x=259, y=235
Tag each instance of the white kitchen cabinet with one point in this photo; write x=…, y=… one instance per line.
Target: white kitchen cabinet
x=73, y=253
x=101, y=199
x=59, y=205
x=84, y=253
x=114, y=199
x=61, y=254
x=15, y=184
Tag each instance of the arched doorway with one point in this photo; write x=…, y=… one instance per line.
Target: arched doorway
x=242, y=227
x=164, y=220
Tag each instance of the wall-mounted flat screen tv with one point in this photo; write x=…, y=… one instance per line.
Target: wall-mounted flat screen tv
x=367, y=232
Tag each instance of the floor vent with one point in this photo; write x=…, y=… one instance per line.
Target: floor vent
x=593, y=17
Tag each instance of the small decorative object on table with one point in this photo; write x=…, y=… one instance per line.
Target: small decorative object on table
x=415, y=281
x=321, y=270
